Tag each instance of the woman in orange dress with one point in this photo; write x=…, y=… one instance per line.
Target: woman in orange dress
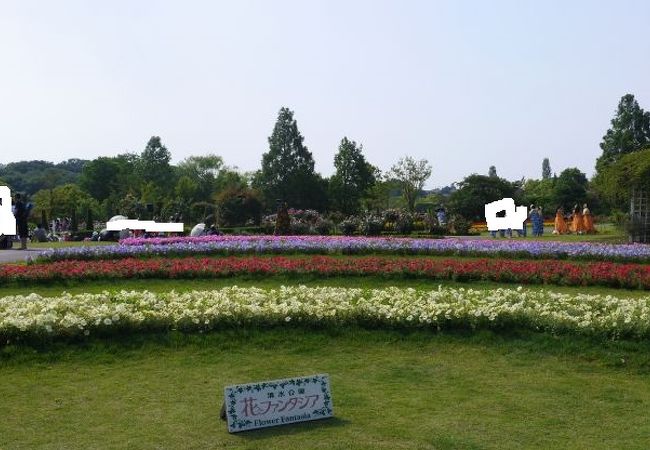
x=560, y=224
x=578, y=226
x=587, y=220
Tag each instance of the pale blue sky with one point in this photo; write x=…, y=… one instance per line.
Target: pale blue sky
x=463, y=84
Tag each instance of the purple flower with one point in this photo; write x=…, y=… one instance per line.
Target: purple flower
x=227, y=245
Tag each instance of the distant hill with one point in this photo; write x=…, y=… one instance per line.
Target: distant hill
x=28, y=177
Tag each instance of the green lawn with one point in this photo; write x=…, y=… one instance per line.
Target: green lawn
x=63, y=244
x=607, y=234
x=391, y=390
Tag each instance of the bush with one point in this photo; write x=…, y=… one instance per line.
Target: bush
x=404, y=224
x=372, y=225
x=460, y=226
x=324, y=227
x=299, y=228
x=437, y=230
x=349, y=226
x=239, y=206
x=392, y=215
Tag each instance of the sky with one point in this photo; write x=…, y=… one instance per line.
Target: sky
x=464, y=84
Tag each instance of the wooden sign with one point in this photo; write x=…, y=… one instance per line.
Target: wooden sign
x=277, y=402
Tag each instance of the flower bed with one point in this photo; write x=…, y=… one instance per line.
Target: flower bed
x=226, y=245
x=626, y=275
x=33, y=316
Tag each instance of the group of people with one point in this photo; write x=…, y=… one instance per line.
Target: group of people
x=580, y=221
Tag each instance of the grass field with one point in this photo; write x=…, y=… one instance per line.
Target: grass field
x=391, y=390
x=63, y=244
x=607, y=234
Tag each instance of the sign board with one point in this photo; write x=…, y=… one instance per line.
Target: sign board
x=277, y=402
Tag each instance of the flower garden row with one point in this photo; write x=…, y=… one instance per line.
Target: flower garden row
x=626, y=275
x=226, y=245
x=33, y=316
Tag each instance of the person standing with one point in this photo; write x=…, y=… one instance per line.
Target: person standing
x=532, y=215
x=540, y=221
x=441, y=216
x=578, y=226
x=20, y=213
x=560, y=224
x=587, y=220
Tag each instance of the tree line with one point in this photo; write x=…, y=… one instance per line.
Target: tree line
x=147, y=185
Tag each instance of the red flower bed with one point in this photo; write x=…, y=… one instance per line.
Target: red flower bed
x=487, y=269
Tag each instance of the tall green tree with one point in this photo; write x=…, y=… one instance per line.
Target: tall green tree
x=411, y=176
x=154, y=165
x=629, y=133
x=100, y=177
x=570, y=188
x=618, y=180
x=352, y=179
x=287, y=170
x=546, y=169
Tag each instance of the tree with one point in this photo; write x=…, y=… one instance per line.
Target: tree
x=570, y=188
x=540, y=193
x=90, y=223
x=154, y=165
x=63, y=200
x=411, y=175
x=629, y=133
x=186, y=193
x=546, y=169
x=352, y=179
x=101, y=177
x=238, y=206
x=44, y=222
x=230, y=179
x=616, y=181
x=74, y=165
x=475, y=191
x=379, y=195
x=492, y=171
x=288, y=168
x=203, y=170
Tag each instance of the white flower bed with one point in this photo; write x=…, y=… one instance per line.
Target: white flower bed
x=71, y=315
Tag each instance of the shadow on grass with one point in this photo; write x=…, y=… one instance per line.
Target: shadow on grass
x=292, y=429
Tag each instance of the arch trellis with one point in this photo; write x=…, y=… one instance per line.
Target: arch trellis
x=640, y=215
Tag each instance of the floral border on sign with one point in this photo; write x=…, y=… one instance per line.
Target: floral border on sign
x=235, y=423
